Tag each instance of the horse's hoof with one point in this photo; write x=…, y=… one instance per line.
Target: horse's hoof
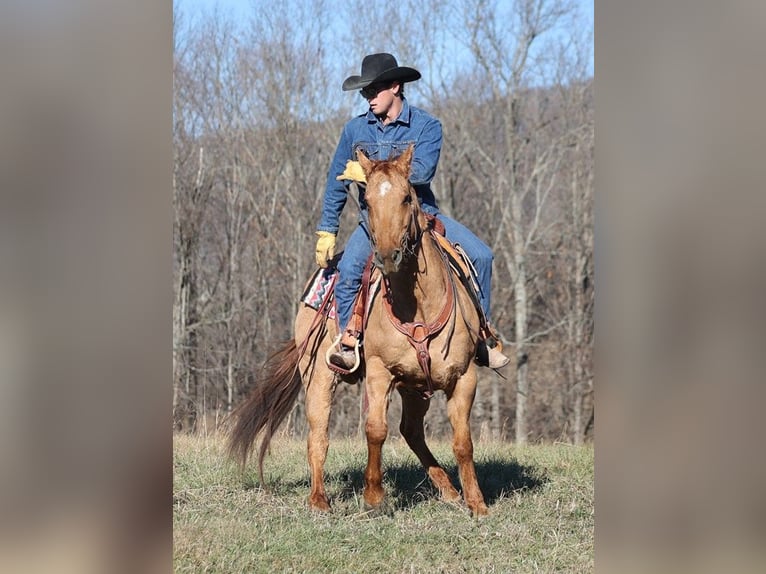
x=373, y=498
x=480, y=510
x=319, y=504
x=451, y=495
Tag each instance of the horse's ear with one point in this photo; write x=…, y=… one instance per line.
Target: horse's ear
x=364, y=161
x=404, y=161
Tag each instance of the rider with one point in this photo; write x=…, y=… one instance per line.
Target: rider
x=384, y=131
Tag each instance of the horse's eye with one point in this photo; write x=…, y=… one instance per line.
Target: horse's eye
x=407, y=199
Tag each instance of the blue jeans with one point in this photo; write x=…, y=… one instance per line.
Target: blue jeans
x=357, y=251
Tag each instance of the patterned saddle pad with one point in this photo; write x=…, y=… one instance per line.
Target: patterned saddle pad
x=320, y=287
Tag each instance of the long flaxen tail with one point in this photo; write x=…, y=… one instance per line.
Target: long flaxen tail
x=266, y=406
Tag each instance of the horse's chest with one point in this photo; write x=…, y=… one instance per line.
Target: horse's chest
x=411, y=362
x=404, y=363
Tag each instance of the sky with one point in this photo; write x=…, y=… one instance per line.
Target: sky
x=239, y=9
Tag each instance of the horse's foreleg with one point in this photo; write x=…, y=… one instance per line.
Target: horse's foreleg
x=459, y=405
x=378, y=386
x=414, y=409
x=318, y=404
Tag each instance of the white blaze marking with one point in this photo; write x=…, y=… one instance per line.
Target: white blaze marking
x=385, y=187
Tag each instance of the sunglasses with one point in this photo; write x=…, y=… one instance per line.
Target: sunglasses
x=373, y=90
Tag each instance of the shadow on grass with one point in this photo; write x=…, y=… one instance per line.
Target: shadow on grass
x=407, y=485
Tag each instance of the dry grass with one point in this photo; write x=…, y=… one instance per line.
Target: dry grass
x=540, y=499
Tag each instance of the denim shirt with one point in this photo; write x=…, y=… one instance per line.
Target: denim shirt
x=378, y=141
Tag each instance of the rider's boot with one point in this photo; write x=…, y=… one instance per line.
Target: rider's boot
x=489, y=352
x=346, y=358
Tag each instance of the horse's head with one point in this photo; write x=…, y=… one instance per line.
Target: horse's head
x=393, y=210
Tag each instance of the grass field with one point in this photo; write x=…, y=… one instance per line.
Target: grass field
x=540, y=500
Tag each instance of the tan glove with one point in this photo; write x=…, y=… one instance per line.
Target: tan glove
x=325, y=248
x=353, y=171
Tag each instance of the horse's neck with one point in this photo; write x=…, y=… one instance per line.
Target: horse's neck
x=419, y=293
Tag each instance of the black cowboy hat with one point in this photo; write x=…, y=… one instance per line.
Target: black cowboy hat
x=380, y=68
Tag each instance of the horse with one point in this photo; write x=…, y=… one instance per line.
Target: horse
x=421, y=336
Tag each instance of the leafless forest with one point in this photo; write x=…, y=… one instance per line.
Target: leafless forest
x=257, y=113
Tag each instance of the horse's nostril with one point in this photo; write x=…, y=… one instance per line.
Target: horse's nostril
x=377, y=260
x=396, y=257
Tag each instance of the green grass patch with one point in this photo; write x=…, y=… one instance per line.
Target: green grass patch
x=540, y=500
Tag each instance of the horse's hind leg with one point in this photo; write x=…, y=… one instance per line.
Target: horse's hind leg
x=459, y=404
x=414, y=409
x=318, y=404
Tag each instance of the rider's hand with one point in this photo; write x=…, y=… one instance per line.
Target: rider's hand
x=353, y=171
x=325, y=249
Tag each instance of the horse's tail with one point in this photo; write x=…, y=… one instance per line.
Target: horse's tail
x=266, y=406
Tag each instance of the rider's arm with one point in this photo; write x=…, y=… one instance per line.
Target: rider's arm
x=427, y=150
x=335, y=193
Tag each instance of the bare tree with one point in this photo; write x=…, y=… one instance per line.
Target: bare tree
x=524, y=172
x=191, y=190
x=568, y=297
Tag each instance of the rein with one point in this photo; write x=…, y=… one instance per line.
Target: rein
x=410, y=240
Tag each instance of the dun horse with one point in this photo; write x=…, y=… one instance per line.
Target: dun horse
x=421, y=336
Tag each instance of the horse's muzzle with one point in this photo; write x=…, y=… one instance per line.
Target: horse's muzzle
x=388, y=263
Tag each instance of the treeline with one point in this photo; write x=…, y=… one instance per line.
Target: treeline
x=257, y=113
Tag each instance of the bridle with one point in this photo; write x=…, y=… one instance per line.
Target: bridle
x=412, y=235
x=411, y=239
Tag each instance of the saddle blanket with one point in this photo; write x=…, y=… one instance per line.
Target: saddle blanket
x=321, y=286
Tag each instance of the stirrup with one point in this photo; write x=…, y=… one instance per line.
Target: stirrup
x=490, y=357
x=489, y=334
x=336, y=368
